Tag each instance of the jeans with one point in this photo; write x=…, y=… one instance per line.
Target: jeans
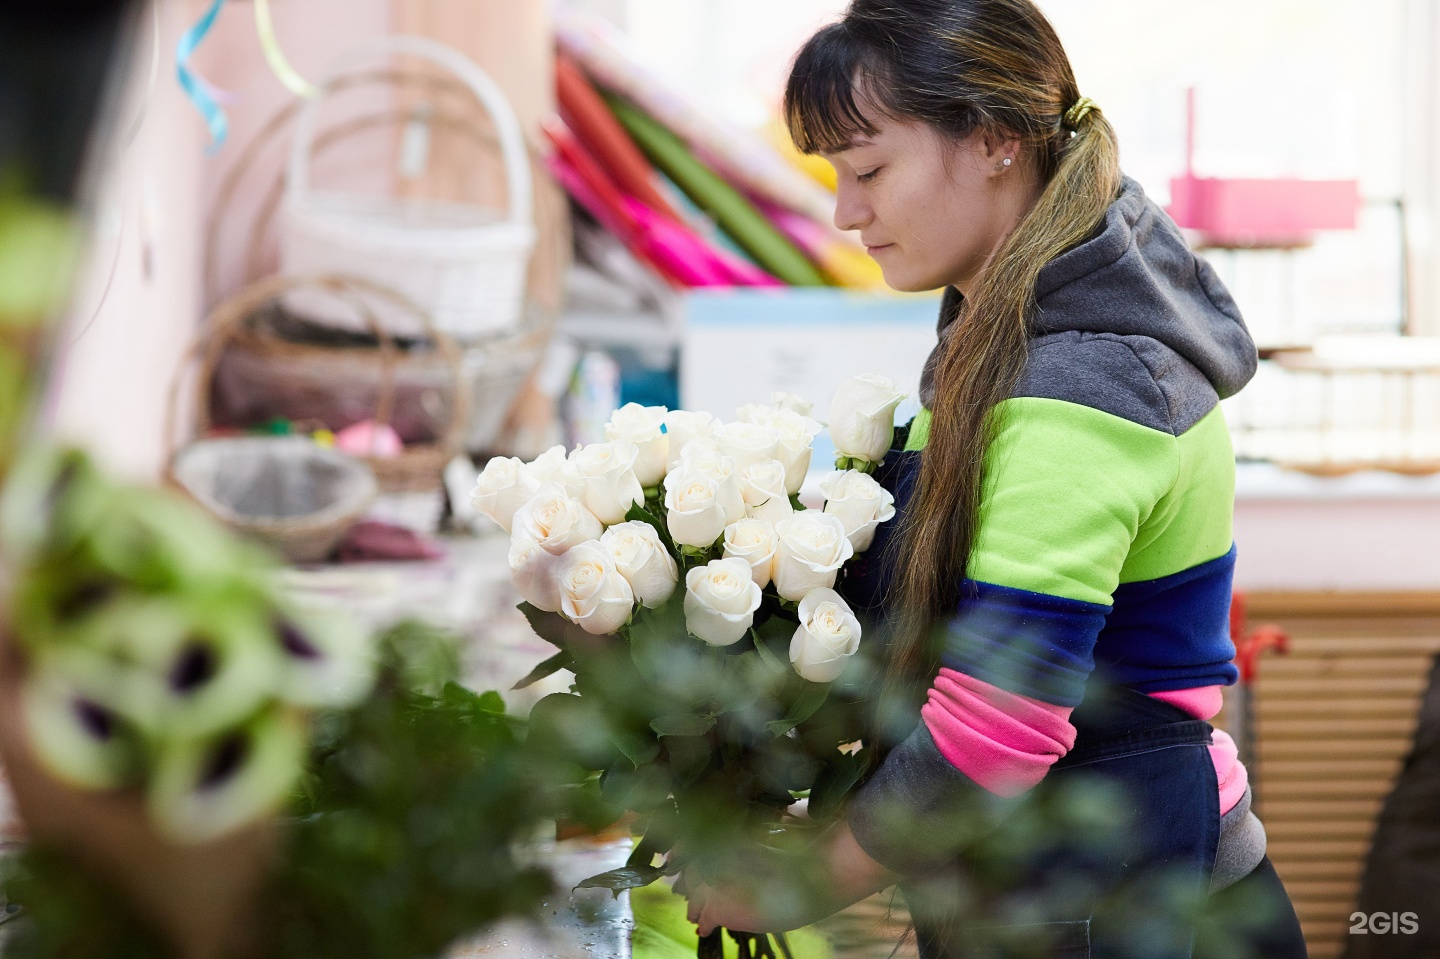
x=1108, y=858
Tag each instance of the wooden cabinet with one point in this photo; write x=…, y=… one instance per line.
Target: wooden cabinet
x=1334, y=721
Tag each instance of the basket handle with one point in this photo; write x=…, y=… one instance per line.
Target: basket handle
x=221, y=325
x=507, y=127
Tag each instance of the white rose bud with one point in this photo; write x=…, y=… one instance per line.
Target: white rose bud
x=593, y=594
x=762, y=485
x=862, y=417
x=720, y=601
x=534, y=572
x=828, y=635
x=608, y=472
x=791, y=402
x=811, y=548
x=797, y=437
x=502, y=487
x=641, y=425
x=861, y=503
x=747, y=443
x=552, y=466
x=682, y=428
x=754, y=413
x=695, y=515
x=721, y=468
x=643, y=560
x=752, y=540
x=555, y=520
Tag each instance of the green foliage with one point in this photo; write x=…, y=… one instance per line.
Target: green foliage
x=401, y=839
x=405, y=838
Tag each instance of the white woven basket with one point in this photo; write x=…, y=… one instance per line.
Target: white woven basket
x=463, y=264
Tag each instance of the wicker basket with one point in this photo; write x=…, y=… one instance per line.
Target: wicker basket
x=465, y=265
x=420, y=467
x=282, y=490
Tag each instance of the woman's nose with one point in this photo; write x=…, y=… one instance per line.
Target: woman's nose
x=850, y=212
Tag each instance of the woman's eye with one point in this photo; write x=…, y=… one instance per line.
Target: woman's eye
x=867, y=177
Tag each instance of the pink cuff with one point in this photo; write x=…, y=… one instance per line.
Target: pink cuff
x=1202, y=702
x=1003, y=741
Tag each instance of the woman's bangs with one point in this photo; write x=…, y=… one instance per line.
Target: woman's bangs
x=821, y=109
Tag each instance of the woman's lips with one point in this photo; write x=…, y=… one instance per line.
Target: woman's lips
x=872, y=250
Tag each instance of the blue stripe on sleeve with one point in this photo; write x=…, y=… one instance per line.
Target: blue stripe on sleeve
x=1173, y=632
x=1027, y=643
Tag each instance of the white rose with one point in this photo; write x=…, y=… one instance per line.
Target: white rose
x=552, y=466
x=593, y=594
x=502, y=487
x=643, y=560
x=797, y=437
x=752, y=540
x=762, y=485
x=861, y=503
x=862, y=417
x=828, y=635
x=641, y=425
x=682, y=427
x=811, y=548
x=608, y=473
x=534, y=572
x=747, y=443
x=555, y=520
x=720, y=601
x=791, y=402
x=706, y=459
x=754, y=413
x=695, y=515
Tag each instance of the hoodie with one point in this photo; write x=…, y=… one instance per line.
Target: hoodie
x=1105, y=540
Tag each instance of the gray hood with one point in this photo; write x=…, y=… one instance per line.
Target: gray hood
x=1136, y=277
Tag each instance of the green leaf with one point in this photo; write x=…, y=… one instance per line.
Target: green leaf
x=834, y=783
x=795, y=502
x=639, y=514
x=768, y=656
x=551, y=666
x=552, y=627
x=622, y=879
x=638, y=749
x=683, y=725
x=689, y=757
x=812, y=697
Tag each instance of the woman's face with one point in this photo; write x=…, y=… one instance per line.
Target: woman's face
x=930, y=210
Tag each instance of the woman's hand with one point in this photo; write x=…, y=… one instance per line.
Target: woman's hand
x=769, y=901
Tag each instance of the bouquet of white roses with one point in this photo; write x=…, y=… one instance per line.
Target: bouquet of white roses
x=694, y=598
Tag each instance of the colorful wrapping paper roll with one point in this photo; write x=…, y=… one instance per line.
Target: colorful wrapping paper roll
x=596, y=127
x=669, y=247
x=812, y=166
x=732, y=212
x=840, y=262
x=743, y=157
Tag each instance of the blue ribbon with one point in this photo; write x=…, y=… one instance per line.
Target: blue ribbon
x=194, y=86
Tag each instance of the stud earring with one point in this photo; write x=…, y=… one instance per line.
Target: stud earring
x=1007, y=161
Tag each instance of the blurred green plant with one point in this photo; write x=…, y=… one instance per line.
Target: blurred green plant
x=155, y=652
x=406, y=832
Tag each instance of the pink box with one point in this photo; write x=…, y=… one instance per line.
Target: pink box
x=1283, y=212
x=1269, y=213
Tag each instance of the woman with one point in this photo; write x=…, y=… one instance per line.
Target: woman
x=1061, y=578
